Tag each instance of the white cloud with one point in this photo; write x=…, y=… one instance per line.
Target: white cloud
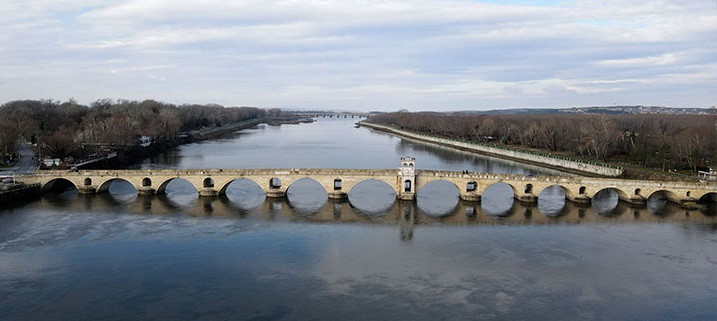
x=462, y=54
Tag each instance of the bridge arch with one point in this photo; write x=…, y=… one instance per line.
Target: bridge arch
x=105, y=186
x=223, y=188
x=452, y=183
x=349, y=184
x=552, y=200
x=59, y=183
x=162, y=187
x=502, y=185
x=307, y=181
x=708, y=198
x=666, y=195
x=243, y=192
x=606, y=201
x=372, y=196
x=306, y=195
x=433, y=199
x=622, y=195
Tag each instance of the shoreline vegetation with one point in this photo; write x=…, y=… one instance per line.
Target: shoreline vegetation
x=122, y=132
x=648, y=146
x=118, y=132
x=574, y=166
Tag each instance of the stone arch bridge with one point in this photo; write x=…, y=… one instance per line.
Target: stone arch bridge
x=405, y=183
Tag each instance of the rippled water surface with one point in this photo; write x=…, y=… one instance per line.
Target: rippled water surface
x=119, y=256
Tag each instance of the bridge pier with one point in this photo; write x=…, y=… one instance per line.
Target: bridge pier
x=580, y=200
x=405, y=196
x=208, y=192
x=146, y=190
x=527, y=199
x=470, y=197
x=689, y=203
x=275, y=194
x=87, y=190
x=338, y=195
x=636, y=200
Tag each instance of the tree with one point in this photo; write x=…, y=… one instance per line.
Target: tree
x=600, y=133
x=61, y=143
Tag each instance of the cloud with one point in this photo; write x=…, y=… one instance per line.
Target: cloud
x=455, y=54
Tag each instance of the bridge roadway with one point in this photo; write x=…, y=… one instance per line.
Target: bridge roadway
x=338, y=183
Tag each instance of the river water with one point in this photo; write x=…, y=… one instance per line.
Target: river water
x=119, y=256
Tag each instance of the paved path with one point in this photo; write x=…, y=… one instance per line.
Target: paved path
x=27, y=162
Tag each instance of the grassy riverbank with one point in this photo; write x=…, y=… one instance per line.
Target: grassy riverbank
x=539, y=157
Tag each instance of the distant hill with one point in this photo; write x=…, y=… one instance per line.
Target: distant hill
x=613, y=110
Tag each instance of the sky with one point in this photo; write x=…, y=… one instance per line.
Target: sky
x=363, y=55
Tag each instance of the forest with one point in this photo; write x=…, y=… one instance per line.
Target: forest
x=656, y=141
x=68, y=129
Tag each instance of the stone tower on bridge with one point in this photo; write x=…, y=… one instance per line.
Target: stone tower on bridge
x=407, y=177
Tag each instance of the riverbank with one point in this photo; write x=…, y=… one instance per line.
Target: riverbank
x=545, y=160
x=16, y=191
x=135, y=155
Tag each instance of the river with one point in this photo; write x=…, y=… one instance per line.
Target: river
x=119, y=256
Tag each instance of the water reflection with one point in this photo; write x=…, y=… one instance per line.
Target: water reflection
x=399, y=212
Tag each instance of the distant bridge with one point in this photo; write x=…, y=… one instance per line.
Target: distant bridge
x=405, y=182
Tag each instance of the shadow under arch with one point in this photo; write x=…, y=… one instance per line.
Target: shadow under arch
x=243, y=192
x=606, y=200
x=162, y=188
x=105, y=186
x=179, y=191
x=661, y=202
x=498, y=199
x=372, y=197
x=438, y=198
x=708, y=198
x=665, y=195
x=58, y=185
x=306, y=196
x=709, y=204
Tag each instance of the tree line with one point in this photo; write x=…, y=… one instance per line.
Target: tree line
x=657, y=141
x=69, y=129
